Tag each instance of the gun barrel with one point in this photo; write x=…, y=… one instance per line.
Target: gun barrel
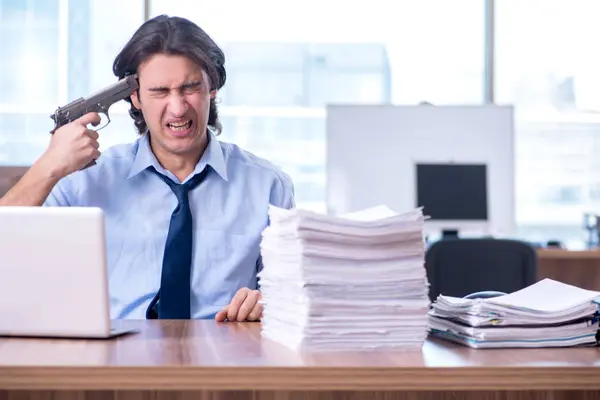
x=97, y=102
x=121, y=89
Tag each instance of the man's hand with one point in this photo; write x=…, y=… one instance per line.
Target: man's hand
x=72, y=147
x=244, y=306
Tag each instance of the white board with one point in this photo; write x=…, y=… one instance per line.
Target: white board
x=372, y=150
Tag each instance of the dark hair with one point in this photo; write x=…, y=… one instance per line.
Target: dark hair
x=176, y=36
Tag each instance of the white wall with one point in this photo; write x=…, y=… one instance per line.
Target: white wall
x=371, y=152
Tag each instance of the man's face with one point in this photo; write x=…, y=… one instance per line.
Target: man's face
x=174, y=97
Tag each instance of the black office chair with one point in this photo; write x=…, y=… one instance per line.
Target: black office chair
x=479, y=267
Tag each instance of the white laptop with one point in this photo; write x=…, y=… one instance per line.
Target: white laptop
x=53, y=275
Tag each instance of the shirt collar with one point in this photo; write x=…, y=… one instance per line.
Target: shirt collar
x=212, y=156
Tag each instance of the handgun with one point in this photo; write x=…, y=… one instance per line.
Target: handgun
x=98, y=102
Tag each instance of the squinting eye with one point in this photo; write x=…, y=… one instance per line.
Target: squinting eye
x=192, y=89
x=159, y=93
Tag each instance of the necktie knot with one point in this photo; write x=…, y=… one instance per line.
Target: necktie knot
x=181, y=190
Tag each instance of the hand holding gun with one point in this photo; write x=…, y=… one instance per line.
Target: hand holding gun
x=73, y=145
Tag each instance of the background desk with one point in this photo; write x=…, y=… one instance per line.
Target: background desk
x=9, y=176
x=579, y=268
x=206, y=360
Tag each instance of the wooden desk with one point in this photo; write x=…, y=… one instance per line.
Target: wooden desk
x=579, y=268
x=207, y=360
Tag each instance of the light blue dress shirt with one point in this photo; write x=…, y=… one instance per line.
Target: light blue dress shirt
x=229, y=210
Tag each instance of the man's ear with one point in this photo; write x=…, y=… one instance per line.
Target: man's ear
x=135, y=100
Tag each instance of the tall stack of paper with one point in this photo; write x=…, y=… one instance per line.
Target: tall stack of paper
x=353, y=282
x=545, y=314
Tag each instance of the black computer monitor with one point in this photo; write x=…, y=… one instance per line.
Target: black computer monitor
x=452, y=193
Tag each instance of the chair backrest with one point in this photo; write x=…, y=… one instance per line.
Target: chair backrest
x=458, y=267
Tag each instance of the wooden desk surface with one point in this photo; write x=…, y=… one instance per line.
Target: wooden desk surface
x=576, y=267
x=561, y=254
x=205, y=355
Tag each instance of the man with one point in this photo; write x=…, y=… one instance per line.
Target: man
x=176, y=183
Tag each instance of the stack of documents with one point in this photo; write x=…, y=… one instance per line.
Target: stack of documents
x=545, y=314
x=344, y=283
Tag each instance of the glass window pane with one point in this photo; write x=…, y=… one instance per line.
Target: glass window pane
x=52, y=52
x=549, y=72
x=28, y=40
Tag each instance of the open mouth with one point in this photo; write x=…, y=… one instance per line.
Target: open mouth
x=180, y=126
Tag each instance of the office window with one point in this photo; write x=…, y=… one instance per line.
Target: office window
x=546, y=65
x=287, y=60
x=52, y=52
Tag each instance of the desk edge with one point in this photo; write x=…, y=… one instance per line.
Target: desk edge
x=300, y=378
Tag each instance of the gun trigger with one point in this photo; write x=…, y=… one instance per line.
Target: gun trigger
x=103, y=125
